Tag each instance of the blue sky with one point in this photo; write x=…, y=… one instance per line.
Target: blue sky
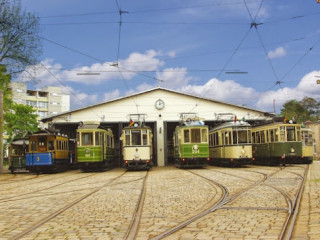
x=197, y=47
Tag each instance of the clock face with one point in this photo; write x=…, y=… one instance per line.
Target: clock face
x=159, y=104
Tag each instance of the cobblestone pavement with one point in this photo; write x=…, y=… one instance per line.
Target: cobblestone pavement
x=308, y=222
x=172, y=196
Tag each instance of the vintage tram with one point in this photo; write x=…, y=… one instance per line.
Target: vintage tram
x=49, y=151
x=137, y=146
x=190, y=140
x=277, y=143
x=95, y=147
x=230, y=144
x=307, y=145
x=17, y=155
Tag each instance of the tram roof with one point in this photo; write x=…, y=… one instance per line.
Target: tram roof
x=232, y=124
x=152, y=90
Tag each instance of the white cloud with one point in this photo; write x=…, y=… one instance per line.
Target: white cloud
x=227, y=91
x=277, y=53
x=112, y=95
x=307, y=87
x=50, y=73
x=173, y=77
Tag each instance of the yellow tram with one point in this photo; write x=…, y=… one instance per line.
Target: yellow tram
x=137, y=147
x=307, y=145
x=230, y=144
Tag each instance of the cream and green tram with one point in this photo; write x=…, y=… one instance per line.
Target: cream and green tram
x=230, y=144
x=95, y=147
x=277, y=143
x=137, y=147
x=307, y=145
x=191, y=146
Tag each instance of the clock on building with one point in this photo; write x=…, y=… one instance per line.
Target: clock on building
x=159, y=104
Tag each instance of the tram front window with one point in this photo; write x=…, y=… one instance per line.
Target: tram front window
x=291, y=134
x=87, y=139
x=195, y=136
x=136, y=137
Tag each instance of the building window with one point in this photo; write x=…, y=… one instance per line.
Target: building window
x=32, y=103
x=42, y=104
x=42, y=114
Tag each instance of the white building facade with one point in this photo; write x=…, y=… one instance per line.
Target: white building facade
x=46, y=102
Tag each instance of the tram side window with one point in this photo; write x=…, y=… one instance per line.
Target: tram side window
x=97, y=138
x=186, y=135
x=282, y=134
x=226, y=138
x=127, y=133
x=253, y=137
x=276, y=134
x=258, y=137
x=271, y=133
x=136, y=137
x=195, y=136
x=291, y=134
x=87, y=138
x=211, y=140
x=262, y=137
x=204, y=135
x=216, y=139
x=310, y=141
x=144, y=137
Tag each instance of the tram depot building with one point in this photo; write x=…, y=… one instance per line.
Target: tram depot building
x=161, y=109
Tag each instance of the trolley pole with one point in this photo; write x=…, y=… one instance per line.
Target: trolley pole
x=1, y=132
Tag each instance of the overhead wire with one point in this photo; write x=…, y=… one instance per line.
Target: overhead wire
x=118, y=54
x=230, y=58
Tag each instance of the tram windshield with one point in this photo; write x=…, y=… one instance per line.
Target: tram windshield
x=87, y=138
x=241, y=136
x=136, y=137
x=195, y=135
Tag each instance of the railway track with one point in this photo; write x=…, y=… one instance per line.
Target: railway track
x=285, y=183
x=20, y=196
x=134, y=224
x=292, y=209
x=64, y=208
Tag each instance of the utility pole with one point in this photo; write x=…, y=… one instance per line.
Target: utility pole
x=1, y=132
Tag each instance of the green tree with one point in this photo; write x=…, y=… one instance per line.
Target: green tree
x=20, y=121
x=312, y=106
x=301, y=111
x=4, y=85
x=19, y=39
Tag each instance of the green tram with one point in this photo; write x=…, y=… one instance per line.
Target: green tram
x=277, y=143
x=307, y=145
x=95, y=147
x=230, y=144
x=137, y=147
x=191, y=146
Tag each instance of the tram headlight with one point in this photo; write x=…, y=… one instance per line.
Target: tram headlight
x=292, y=150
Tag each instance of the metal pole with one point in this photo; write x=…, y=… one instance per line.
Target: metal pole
x=1, y=132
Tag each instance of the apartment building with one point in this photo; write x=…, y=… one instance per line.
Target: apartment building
x=46, y=102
